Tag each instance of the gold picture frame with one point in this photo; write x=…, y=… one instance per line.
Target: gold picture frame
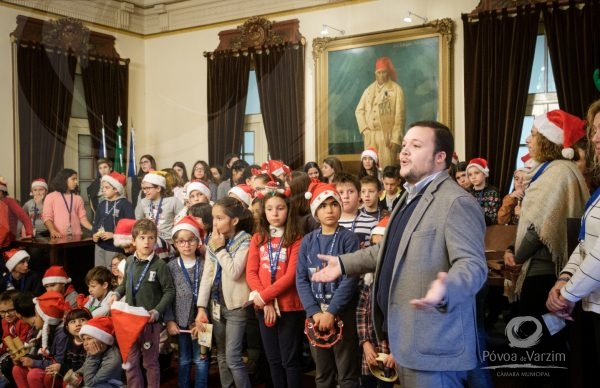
x=345, y=67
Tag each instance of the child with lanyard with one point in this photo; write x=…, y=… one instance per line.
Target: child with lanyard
x=114, y=207
x=35, y=206
x=64, y=211
x=352, y=218
x=223, y=288
x=186, y=270
x=50, y=309
x=147, y=283
x=98, y=280
x=156, y=205
x=271, y=275
x=326, y=302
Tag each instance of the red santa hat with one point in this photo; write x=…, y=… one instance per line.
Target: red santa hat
x=129, y=322
x=272, y=188
x=55, y=274
x=561, y=128
x=155, y=178
x=3, y=184
x=454, y=158
x=122, y=236
x=385, y=63
x=51, y=307
x=40, y=182
x=14, y=257
x=276, y=168
x=188, y=223
x=244, y=192
x=197, y=185
x=319, y=192
x=100, y=328
x=481, y=164
x=371, y=153
x=116, y=180
x=380, y=228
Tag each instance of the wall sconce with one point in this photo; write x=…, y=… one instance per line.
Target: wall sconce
x=408, y=18
x=325, y=30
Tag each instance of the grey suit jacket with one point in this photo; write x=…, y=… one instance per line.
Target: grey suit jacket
x=444, y=234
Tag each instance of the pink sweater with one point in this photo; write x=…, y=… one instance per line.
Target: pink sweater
x=56, y=210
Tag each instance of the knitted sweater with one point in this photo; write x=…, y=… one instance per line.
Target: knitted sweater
x=337, y=295
x=258, y=273
x=182, y=310
x=166, y=208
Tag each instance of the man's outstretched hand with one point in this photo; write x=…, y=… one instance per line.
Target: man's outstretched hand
x=435, y=295
x=332, y=269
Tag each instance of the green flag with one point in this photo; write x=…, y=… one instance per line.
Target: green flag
x=119, y=165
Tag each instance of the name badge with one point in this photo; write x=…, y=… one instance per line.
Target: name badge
x=216, y=311
x=152, y=276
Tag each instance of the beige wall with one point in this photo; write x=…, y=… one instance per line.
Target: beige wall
x=167, y=91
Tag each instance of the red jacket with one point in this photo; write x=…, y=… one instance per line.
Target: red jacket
x=22, y=329
x=16, y=214
x=258, y=273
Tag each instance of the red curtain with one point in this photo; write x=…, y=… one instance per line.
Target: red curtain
x=498, y=55
x=574, y=45
x=45, y=94
x=106, y=89
x=280, y=78
x=228, y=75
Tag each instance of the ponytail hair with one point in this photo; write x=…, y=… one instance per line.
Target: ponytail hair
x=235, y=209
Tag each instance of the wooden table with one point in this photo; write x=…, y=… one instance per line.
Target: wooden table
x=55, y=245
x=74, y=253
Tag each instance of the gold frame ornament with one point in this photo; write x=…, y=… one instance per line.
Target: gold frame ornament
x=345, y=66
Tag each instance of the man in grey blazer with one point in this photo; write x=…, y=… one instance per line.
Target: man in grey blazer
x=428, y=267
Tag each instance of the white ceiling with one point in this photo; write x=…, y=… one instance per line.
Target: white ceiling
x=147, y=17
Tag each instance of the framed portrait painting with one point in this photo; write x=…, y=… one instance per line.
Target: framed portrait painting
x=369, y=87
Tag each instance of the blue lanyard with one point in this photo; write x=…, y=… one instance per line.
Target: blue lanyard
x=136, y=288
x=330, y=252
x=588, y=205
x=274, y=259
x=35, y=213
x=67, y=206
x=187, y=277
x=158, y=210
x=540, y=171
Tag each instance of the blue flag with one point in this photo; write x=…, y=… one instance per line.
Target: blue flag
x=132, y=170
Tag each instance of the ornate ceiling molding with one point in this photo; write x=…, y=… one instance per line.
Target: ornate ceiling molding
x=148, y=17
x=260, y=32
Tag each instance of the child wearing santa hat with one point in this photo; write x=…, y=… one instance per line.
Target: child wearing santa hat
x=325, y=303
x=18, y=276
x=102, y=366
x=56, y=279
x=35, y=206
x=50, y=309
x=369, y=163
x=487, y=196
x=243, y=193
x=156, y=205
x=186, y=271
x=113, y=208
x=147, y=284
x=196, y=191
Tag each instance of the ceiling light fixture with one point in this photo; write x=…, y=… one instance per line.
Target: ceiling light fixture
x=325, y=30
x=408, y=18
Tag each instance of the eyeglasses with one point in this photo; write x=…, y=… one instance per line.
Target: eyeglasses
x=147, y=188
x=7, y=312
x=182, y=243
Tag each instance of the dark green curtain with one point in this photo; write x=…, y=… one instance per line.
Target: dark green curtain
x=280, y=78
x=228, y=75
x=45, y=95
x=498, y=56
